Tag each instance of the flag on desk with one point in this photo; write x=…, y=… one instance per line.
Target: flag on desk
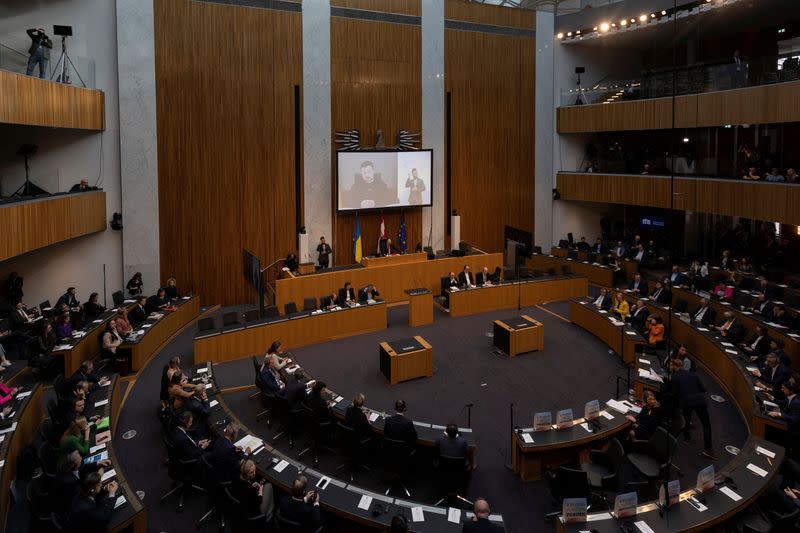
x=401, y=237
x=357, y=242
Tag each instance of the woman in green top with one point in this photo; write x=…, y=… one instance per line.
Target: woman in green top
x=76, y=437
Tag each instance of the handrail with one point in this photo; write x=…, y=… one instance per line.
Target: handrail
x=23, y=54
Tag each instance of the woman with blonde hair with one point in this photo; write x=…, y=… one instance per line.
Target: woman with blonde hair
x=620, y=306
x=75, y=438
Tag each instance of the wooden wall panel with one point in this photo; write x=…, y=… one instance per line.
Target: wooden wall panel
x=403, y=7
x=225, y=141
x=761, y=201
x=35, y=102
x=490, y=79
x=766, y=104
x=375, y=84
x=489, y=14
x=34, y=224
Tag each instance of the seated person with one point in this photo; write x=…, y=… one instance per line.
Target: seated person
x=619, y=306
x=7, y=393
x=355, y=418
x=598, y=247
x=156, y=302
x=271, y=379
x=93, y=507
x=603, y=301
x=20, y=319
x=63, y=328
x=744, y=267
x=655, y=330
x=583, y=246
x=67, y=482
x=637, y=286
x=450, y=283
x=137, y=313
x=85, y=373
x=317, y=404
x=368, y=293
x=123, y=325
x=198, y=403
x=648, y=419
x=480, y=522
x=179, y=390
x=41, y=350
x=302, y=506
x=677, y=278
x=291, y=262
x=331, y=303
x=385, y=247
x=752, y=174
x=660, y=294
x=766, y=289
x=75, y=438
x=790, y=407
x=224, y=456
x=730, y=328
x=758, y=345
x=451, y=444
x=703, y=315
x=135, y=284
x=70, y=299
x=465, y=278
x=779, y=316
x=399, y=427
x=171, y=290
x=347, y=294
x=82, y=186
x=776, y=346
x=619, y=250
x=275, y=352
x=639, y=315
x=762, y=305
x=723, y=292
x=111, y=339
x=92, y=309
x=185, y=441
x=483, y=277
x=773, y=374
x=637, y=253
x=254, y=498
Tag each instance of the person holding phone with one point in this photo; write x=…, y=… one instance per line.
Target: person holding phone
x=302, y=505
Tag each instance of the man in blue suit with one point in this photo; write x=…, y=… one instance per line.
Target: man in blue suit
x=272, y=379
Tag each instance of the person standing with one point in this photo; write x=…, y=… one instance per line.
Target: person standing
x=324, y=250
x=690, y=394
x=39, y=51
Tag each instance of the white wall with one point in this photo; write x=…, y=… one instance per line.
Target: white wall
x=580, y=218
x=65, y=155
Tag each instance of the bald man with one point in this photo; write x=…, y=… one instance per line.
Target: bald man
x=480, y=522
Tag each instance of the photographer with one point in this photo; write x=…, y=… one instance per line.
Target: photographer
x=39, y=51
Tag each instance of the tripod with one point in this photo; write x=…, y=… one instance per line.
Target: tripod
x=63, y=72
x=28, y=188
x=581, y=100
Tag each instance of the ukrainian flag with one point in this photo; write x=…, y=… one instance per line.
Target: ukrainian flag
x=357, y=242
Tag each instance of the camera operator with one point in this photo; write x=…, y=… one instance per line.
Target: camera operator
x=39, y=51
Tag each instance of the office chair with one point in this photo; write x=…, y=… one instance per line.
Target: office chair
x=509, y=274
x=239, y=522
x=353, y=447
x=271, y=312
x=118, y=298
x=285, y=525
x=182, y=472
x=279, y=408
x=397, y=456
x=321, y=435
x=572, y=254
x=46, y=309
x=48, y=458
x=230, y=321
x=309, y=303
x=39, y=505
x=651, y=458
x=297, y=419
x=290, y=309
x=538, y=273
x=263, y=393
x=215, y=491
x=603, y=469
x=497, y=275
x=452, y=474
x=566, y=482
x=324, y=301
x=428, y=250
x=206, y=325
x=251, y=316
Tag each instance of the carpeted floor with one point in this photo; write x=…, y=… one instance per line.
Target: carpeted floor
x=574, y=368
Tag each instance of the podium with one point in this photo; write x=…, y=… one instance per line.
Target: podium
x=420, y=307
x=518, y=335
x=406, y=359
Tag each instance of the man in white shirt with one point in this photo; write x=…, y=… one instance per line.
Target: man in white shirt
x=704, y=315
x=465, y=278
x=603, y=301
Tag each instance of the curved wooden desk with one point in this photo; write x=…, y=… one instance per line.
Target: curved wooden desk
x=622, y=339
x=510, y=294
x=339, y=497
x=597, y=273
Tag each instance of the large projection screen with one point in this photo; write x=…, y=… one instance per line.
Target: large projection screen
x=378, y=180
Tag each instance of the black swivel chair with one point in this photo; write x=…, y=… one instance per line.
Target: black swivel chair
x=652, y=458
x=497, y=275
x=286, y=525
x=206, y=326
x=397, y=458
x=271, y=312
x=118, y=298
x=566, y=483
x=182, y=472
x=452, y=474
x=290, y=309
x=324, y=302
x=215, y=491
x=309, y=304
x=239, y=522
x=353, y=448
x=46, y=309
x=604, y=467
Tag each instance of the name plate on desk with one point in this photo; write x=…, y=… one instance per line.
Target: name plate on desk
x=625, y=505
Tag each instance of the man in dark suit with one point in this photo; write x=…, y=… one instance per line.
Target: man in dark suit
x=84, y=373
x=184, y=441
x=347, y=294
x=355, y=418
x=465, y=278
x=704, y=315
x=67, y=483
x=92, y=508
x=296, y=390
x=661, y=294
x=480, y=523
x=483, y=277
x=20, y=319
x=451, y=444
x=224, y=456
x=272, y=379
x=603, y=301
x=758, y=345
x=637, y=286
x=368, y=293
x=779, y=316
x=583, y=246
x=790, y=410
x=677, y=278
x=730, y=328
x=70, y=299
x=763, y=306
x=690, y=394
x=766, y=289
x=157, y=302
x=398, y=427
x=598, y=247
x=773, y=374
x=449, y=283
x=137, y=314
x=639, y=315
x=302, y=506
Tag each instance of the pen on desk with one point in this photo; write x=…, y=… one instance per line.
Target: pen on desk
x=769, y=461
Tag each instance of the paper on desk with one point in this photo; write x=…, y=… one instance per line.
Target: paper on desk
x=417, y=515
x=644, y=361
x=201, y=370
x=702, y=329
x=147, y=325
x=96, y=321
x=730, y=494
x=97, y=448
x=281, y=465
x=62, y=347
x=527, y=439
x=101, y=402
x=453, y=515
x=586, y=427
x=373, y=417
x=108, y=475
x=642, y=526
x=732, y=352
x=757, y=470
x=607, y=415
x=726, y=344
x=22, y=395
x=764, y=451
x=365, y=502
x=631, y=333
x=209, y=385
x=120, y=501
x=249, y=441
x=213, y=403
x=339, y=399
x=3, y=462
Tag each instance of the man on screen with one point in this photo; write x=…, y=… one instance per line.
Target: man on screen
x=368, y=189
x=415, y=185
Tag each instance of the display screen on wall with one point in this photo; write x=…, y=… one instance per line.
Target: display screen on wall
x=383, y=179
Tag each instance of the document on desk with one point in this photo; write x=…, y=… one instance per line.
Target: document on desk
x=757, y=470
x=22, y=395
x=365, y=502
x=732, y=352
x=453, y=515
x=702, y=329
x=373, y=417
x=727, y=344
x=108, y=475
x=730, y=494
x=527, y=439
x=642, y=526
x=417, y=515
x=764, y=451
x=101, y=402
x=607, y=415
x=281, y=466
x=120, y=501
